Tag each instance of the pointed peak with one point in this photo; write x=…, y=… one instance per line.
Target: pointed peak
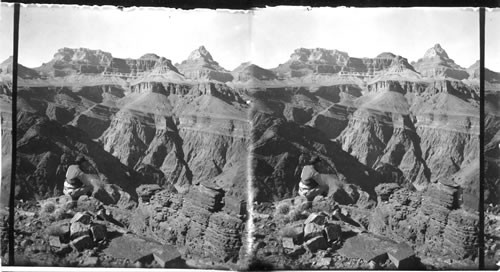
x=475, y=65
x=9, y=60
x=436, y=51
x=201, y=53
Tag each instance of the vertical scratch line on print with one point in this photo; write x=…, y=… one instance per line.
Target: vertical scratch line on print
x=250, y=187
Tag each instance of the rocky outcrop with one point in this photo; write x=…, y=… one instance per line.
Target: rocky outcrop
x=460, y=234
x=95, y=120
x=385, y=190
x=201, y=221
x=58, y=113
x=331, y=121
x=435, y=221
x=223, y=237
x=248, y=71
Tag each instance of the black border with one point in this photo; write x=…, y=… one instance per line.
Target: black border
x=14, y=134
x=480, y=237
x=247, y=4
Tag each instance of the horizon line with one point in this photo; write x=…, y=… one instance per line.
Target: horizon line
x=243, y=62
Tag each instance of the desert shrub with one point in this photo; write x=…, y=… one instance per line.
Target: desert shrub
x=283, y=208
x=59, y=213
x=48, y=207
x=304, y=207
x=295, y=214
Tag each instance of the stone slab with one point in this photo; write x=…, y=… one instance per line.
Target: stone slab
x=368, y=247
x=316, y=243
x=288, y=242
x=168, y=256
x=403, y=256
x=133, y=247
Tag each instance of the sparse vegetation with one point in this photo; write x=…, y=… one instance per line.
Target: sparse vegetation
x=295, y=214
x=59, y=213
x=283, y=209
x=48, y=207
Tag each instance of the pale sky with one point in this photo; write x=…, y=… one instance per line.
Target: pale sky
x=364, y=32
x=6, y=30
x=267, y=37
x=492, y=40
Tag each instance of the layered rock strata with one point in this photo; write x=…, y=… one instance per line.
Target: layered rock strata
x=433, y=221
x=203, y=221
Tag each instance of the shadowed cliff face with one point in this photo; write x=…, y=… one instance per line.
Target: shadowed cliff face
x=426, y=130
x=187, y=133
x=281, y=148
x=46, y=148
x=492, y=146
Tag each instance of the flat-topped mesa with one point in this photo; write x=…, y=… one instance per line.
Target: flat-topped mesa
x=146, y=63
x=380, y=62
x=319, y=55
x=83, y=55
x=437, y=63
x=304, y=62
x=201, y=66
x=68, y=61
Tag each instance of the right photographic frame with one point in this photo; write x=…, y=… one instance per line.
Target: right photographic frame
x=366, y=146
x=492, y=139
